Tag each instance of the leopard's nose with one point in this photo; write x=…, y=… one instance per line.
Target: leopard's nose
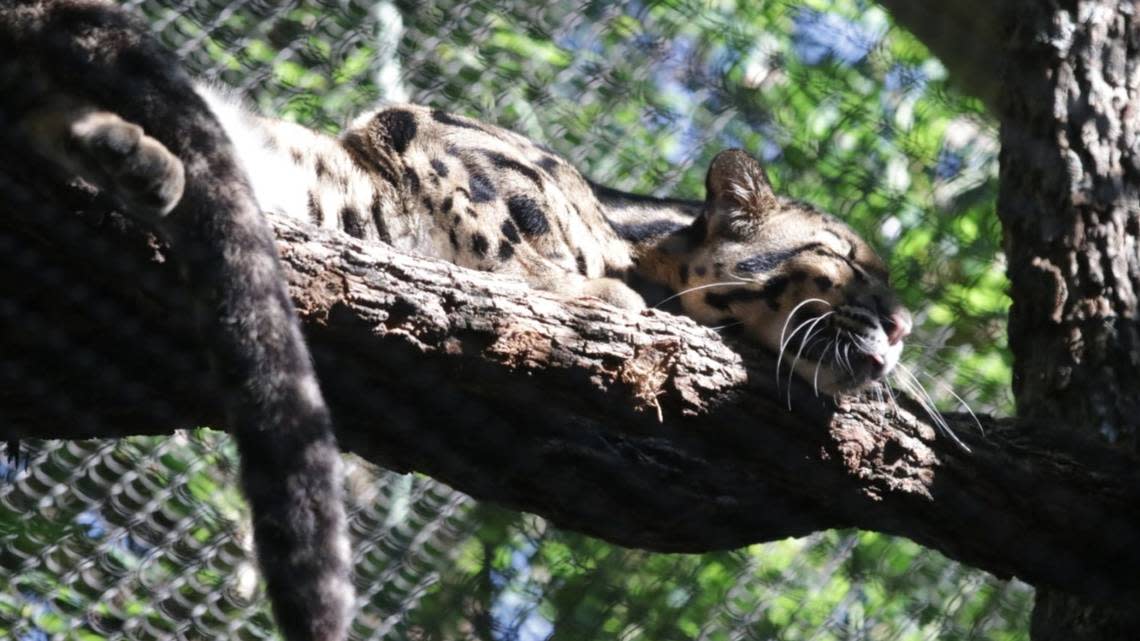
x=897, y=326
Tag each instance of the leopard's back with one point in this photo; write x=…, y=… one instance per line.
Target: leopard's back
x=495, y=200
x=444, y=186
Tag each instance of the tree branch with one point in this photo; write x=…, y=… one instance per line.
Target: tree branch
x=968, y=36
x=642, y=429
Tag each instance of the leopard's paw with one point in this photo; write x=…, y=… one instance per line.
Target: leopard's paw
x=136, y=169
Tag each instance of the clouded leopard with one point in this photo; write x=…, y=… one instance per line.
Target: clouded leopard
x=795, y=280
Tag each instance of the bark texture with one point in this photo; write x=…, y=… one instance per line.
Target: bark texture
x=645, y=430
x=1070, y=205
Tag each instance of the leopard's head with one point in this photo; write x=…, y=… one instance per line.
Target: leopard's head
x=796, y=280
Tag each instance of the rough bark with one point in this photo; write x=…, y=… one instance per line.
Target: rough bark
x=645, y=430
x=1070, y=204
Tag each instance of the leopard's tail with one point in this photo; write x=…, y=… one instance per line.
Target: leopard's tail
x=291, y=468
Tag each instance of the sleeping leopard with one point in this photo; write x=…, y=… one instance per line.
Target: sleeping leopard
x=795, y=280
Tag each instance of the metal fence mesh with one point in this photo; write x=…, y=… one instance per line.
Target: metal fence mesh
x=147, y=538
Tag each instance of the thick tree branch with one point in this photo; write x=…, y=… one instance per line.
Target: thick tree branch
x=645, y=430
x=968, y=36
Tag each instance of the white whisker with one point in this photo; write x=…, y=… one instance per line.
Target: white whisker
x=927, y=403
x=800, y=351
x=878, y=388
x=981, y=430
x=785, y=342
x=915, y=387
x=726, y=326
x=740, y=281
x=907, y=386
x=950, y=390
x=792, y=315
x=891, y=393
x=780, y=357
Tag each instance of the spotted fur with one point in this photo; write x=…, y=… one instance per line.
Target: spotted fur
x=91, y=91
x=487, y=198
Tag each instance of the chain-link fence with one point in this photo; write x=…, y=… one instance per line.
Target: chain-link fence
x=147, y=538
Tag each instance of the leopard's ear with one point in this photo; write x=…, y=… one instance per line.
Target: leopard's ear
x=739, y=195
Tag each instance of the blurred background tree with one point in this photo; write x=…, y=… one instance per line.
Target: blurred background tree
x=144, y=539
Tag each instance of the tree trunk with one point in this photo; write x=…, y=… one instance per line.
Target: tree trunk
x=1070, y=204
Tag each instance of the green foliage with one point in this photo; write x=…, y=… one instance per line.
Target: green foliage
x=108, y=538
x=834, y=585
